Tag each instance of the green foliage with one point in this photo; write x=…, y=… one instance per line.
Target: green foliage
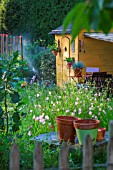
x=78, y=64
x=54, y=46
x=42, y=60
x=36, y=18
x=90, y=15
x=10, y=68
x=69, y=59
x=48, y=66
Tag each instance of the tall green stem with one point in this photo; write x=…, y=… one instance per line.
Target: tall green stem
x=6, y=111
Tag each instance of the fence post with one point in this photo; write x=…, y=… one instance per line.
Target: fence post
x=38, y=157
x=87, y=153
x=14, y=158
x=64, y=157
x=110, y=147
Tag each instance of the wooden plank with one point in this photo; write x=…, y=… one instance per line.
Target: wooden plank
x=14, y=158
x=110, y=128
x=87, y=154
x=38, y=157
x=110, y=147
x=64, y=157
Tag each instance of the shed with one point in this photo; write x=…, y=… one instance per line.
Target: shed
x=94, y=49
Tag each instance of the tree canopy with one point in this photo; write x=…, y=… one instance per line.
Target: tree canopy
x=34, y=18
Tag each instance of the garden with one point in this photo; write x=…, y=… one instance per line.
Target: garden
x=29, y=111
x=29, y=108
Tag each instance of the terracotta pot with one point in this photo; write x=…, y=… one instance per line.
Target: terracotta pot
x=78, y=72
x=103, y=130
x=66, y=130
x=69, y=64
x=55, y=53
x=101, y=133
x=86, y=126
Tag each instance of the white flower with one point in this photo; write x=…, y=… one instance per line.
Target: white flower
x=51, y=102
x=49, y=92
x=47, y=98
x=39, y=105
x=104, y=111
x=47, y=117
x=59, y=97
x=99, y=94
x=37, y=118
x=90, y=113
x=91, y=108
x=29, y=133
x=99, y=109
x=67, y=110
x=75, y=110
x=95, y=94
x=79, y=111
x=77, y=98
x=38, y=95
x=58, y=109
x=72, y=113
x=34, y=117
x=76, y=103
x=31, y=111
x=56, y=102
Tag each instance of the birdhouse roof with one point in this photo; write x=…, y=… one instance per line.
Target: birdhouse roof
x=59, y=30
x=100, y=36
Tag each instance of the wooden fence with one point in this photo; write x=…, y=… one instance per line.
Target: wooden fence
x=64, y=155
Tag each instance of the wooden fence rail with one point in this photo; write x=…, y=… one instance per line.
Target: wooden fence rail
x=64, y=155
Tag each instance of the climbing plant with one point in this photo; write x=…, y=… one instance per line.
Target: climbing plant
x=10, y=69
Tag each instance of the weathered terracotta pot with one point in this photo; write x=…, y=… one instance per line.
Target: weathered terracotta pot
x=66, y=130
x=86, y=126
x=101, y=133
x=78, y=72
x=69, y=64
x=55, y=53
x=103, y=130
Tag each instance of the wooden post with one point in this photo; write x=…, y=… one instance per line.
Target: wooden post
x=21, y=47
x=14, y=158
x=38, y=157
x=6, y=44
x=64, y=157
x=3, y=38
x=1, y=44
x=110, y=147
x=87, y=154
x=16, y=43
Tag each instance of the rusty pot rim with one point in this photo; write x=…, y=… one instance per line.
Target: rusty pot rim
x=89, y=124
x=66, y=119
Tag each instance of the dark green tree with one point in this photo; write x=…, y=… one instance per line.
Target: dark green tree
x=35, y=18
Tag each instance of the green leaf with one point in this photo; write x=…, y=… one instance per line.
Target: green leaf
x=105, y=21
x=15, y=127
x=78, y=22
x=16, y=117
x=15, y=97
x=72, y=14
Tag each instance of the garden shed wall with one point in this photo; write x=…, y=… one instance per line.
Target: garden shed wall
x=62, y=72
x=96, y=53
